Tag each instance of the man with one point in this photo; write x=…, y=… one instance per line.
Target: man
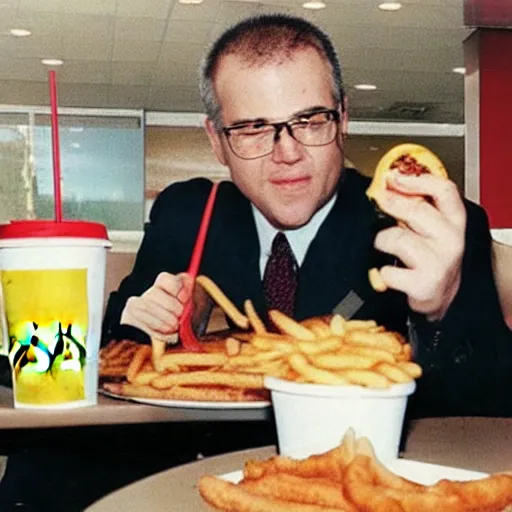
x=277, y=117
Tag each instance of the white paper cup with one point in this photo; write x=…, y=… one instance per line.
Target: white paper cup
x=52, y=279
x=313, y=418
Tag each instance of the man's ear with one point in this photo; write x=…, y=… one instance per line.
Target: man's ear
x=215, y=141
x=344, y=117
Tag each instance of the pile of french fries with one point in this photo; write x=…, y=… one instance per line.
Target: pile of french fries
x=326, y=351
x=115, y=357
x=189, y=376
x=322, y=350
x=348, y=478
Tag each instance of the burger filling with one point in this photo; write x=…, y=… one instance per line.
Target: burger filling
x=406, y=164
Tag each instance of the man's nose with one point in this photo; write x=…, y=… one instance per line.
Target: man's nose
x=286, y=148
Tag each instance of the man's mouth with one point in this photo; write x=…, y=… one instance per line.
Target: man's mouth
x=291, y=181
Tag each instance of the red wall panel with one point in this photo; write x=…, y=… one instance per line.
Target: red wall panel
x=495, y=68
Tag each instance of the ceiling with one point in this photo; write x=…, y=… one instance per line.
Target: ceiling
x=144, y=54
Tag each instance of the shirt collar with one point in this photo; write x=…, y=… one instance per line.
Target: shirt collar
x=299, y=239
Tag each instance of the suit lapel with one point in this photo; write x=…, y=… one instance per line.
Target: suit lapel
x=336, y=256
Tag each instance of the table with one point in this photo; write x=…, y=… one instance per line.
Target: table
x=110, y=411
x=483, y=444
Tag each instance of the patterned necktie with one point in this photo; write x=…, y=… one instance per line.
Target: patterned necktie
x=280, y=277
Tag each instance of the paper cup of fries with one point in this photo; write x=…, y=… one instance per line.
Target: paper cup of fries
x=312, y=418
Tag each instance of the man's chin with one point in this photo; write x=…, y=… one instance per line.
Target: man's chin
x=291, y=221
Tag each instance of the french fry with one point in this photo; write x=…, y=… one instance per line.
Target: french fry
x=145, y=377
x=113, y=371
x=384, y=340
x=224, y=495
x=212, y=394
x=343, y=361
x=208, y=378
x=136, y=390
x=233, y=347
x=315, y=375
x=318, y=346
x=289, y=326
x=318, y=326
x=338, y=325
x=157, y=351
x=393, y=372
x=360, y=324
x=319, y=491
x=406, y=353
x=367, y=378
x=141, y=355
x=376, y=280
x=413, y=369
x=330, y=464
x=173, y=359
x=282, y=344
x=363, y=350
x=254, y=320
x=224, y=303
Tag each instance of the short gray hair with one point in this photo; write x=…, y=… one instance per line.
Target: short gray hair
x=261, y=39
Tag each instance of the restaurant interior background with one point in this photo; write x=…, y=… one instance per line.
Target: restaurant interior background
x=130, y=112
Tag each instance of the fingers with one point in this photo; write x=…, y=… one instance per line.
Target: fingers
x=187, y=285
x=409, y=247
x=157, y=310
x=429, y=243
x=445, y=202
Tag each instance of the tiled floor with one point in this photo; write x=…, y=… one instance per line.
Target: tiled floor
x=64, y=470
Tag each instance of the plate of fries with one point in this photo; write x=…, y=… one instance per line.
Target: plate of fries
x=231, y=370
x=183, y=379
x=350, y=478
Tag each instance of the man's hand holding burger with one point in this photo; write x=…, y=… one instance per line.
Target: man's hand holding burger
x=429, y=237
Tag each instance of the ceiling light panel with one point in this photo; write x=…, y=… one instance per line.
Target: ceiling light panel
x=19, y=32
x=390, y=6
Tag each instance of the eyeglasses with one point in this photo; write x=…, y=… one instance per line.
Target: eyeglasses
x=257, y=138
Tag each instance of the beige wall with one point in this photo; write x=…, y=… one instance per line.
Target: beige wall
x=175, y=154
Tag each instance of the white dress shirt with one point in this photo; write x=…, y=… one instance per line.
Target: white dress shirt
x=299, y=239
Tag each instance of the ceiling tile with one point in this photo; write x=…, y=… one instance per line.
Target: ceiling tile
x=190, y=31
x=177, y=100
x=207, y=11
x=85, y=72
x=36, y=47
x=157, y=9
x=8, y=18
x=102, y=7
x=30, y=70
x=140, y=29
x=147, y=52
x=172, y=55
x=136, y=51
x=97, y=49
x=185, y=76
x=133, y=73
x=8, y=4
x=127, y=96
x=77, y=27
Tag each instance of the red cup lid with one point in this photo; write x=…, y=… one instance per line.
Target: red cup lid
x=50, y=228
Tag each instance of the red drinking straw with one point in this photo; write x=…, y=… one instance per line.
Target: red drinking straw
x=55, y=147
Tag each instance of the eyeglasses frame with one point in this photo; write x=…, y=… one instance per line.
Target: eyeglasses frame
x=278, y=127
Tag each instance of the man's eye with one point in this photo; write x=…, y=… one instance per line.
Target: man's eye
x=251, y=130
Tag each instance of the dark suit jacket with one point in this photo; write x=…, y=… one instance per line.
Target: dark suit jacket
x=464, y=357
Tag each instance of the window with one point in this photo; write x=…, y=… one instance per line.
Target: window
x=102, y=167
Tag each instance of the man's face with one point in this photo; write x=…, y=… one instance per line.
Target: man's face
x=289, y=185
